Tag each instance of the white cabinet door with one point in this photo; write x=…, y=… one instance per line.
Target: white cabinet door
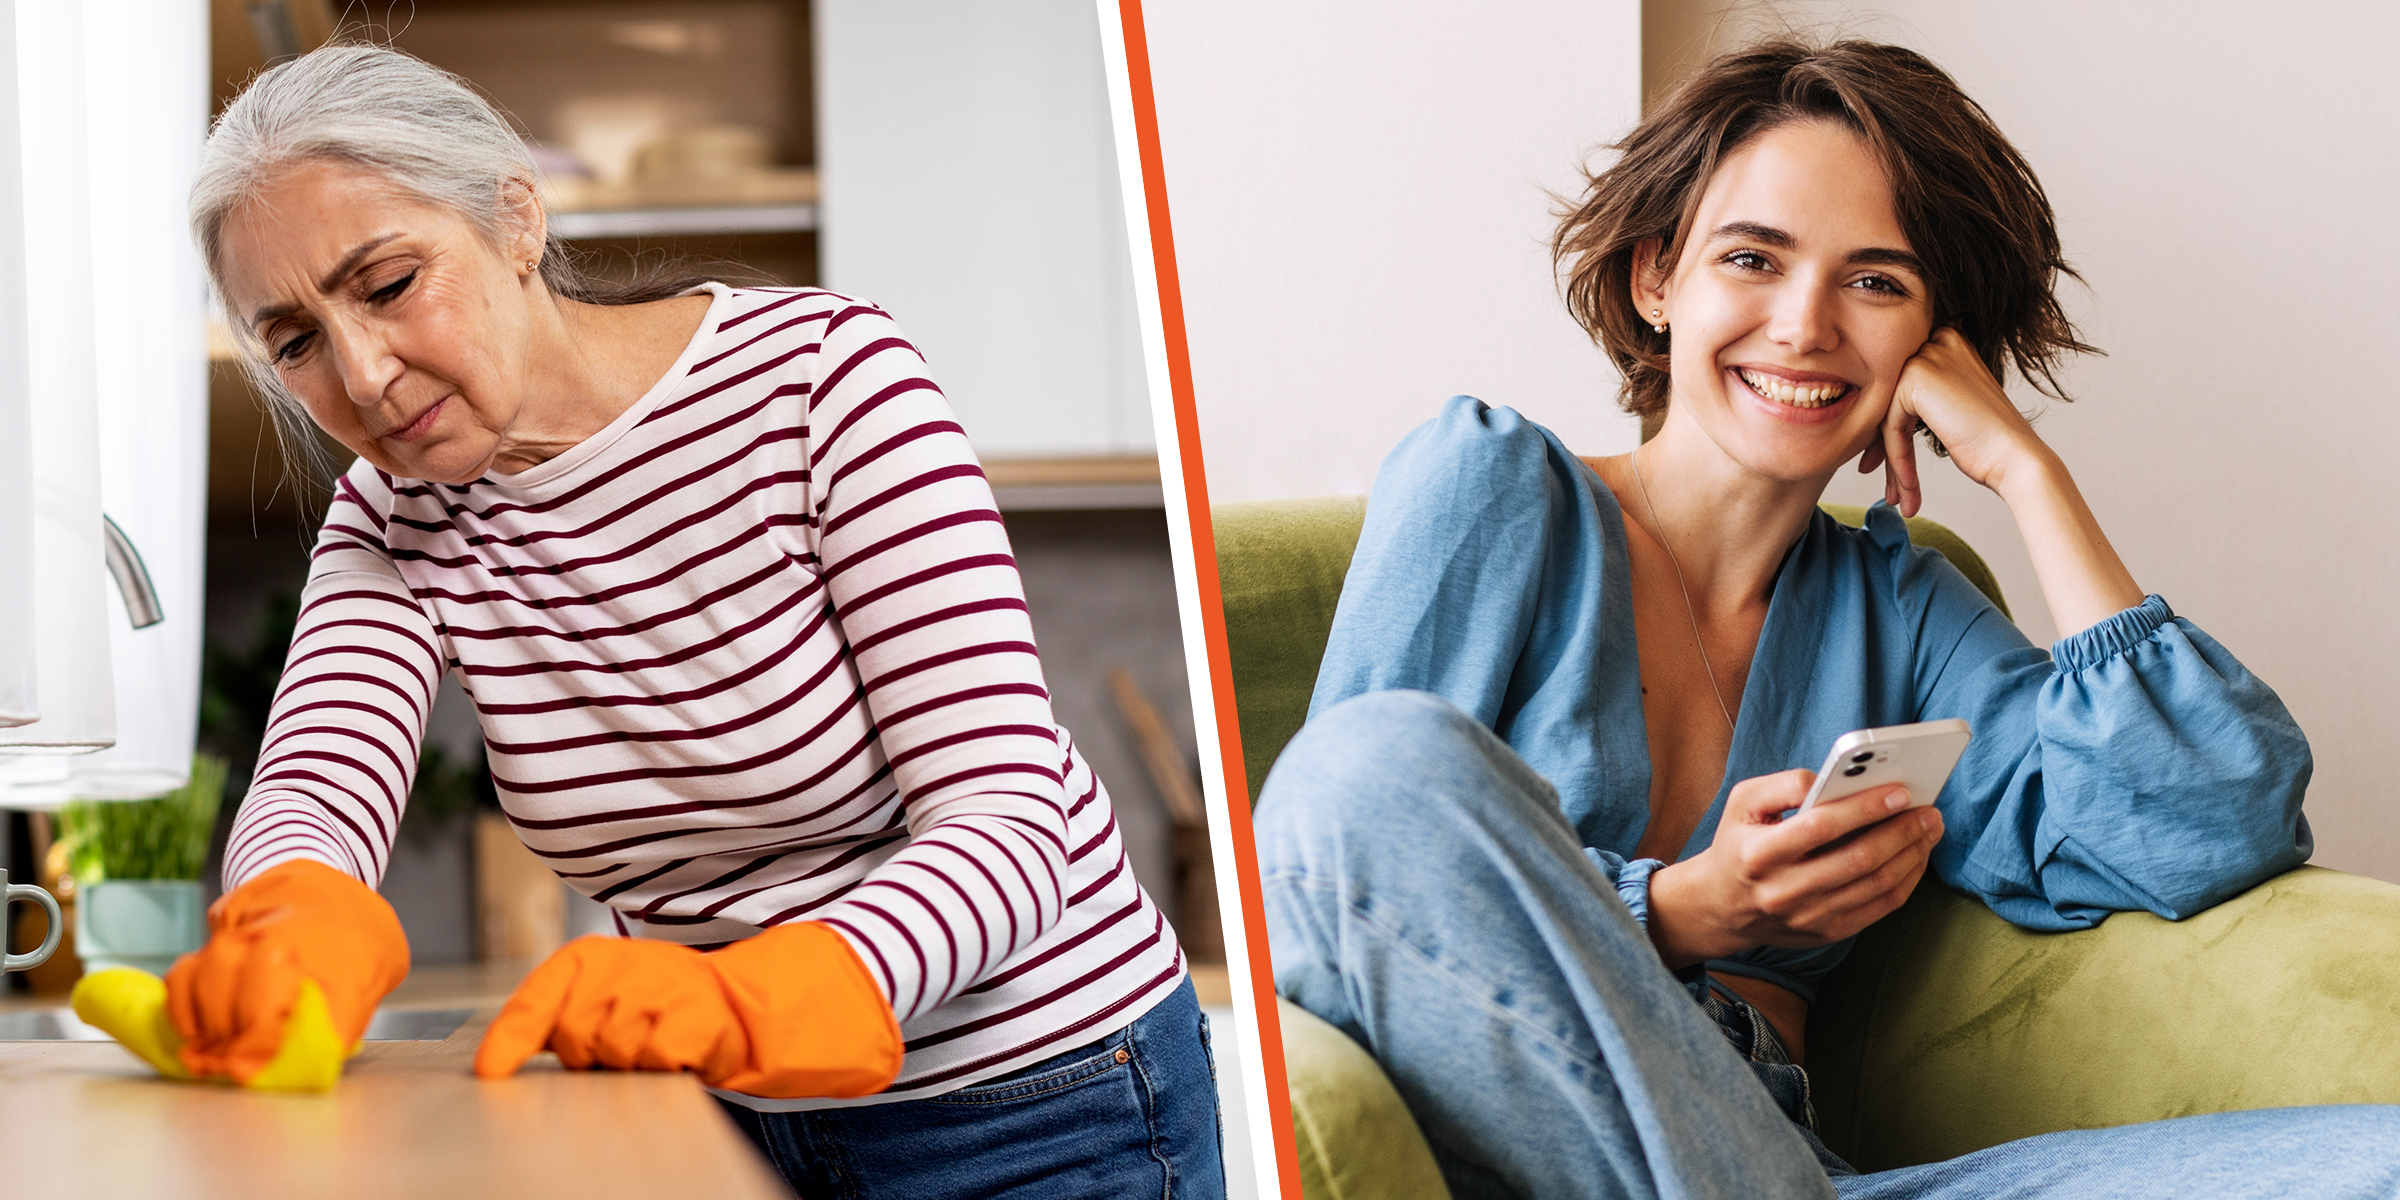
x=969, y=188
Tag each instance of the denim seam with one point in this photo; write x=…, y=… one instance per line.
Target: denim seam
x=1505, y=1016
x=1149, y=1094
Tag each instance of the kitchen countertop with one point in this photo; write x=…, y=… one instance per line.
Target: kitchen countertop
x=407, y=1120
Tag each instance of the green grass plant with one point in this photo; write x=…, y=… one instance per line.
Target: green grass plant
x=162, y=838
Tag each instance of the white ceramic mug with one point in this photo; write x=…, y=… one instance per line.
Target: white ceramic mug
x=26, y=891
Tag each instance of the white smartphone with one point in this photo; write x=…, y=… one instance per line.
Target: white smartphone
x=1918, y=757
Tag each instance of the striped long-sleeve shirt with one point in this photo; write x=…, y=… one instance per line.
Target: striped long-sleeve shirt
x=756, y=652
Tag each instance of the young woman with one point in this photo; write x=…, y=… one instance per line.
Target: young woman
x=1531, y=850
x=750, y=654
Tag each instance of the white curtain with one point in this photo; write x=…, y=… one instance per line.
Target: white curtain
x=75, y=682
x=19, y=696
x=112, y=103
x=147, y=91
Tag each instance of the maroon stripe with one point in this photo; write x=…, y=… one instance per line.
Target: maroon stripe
x=998, y=892
x=712, y=473
x=949, y=938
x=268, y=755
x=630, y=666
x=1065, y=1034
x=643, y=625
x=761, y=336
x=604, y=778
x=608, y=737
x=831, y=382
x=1056, y=891
x=359, y=594
x=382, y=835
x=661, y=835
x=1045, y=732
x=296, y=685
x=939, y=570
x=282, y=768
x=1064, y=947
x=1081, y=982
x=619, y=888
x=854, y=556
x=965, y=695
x=907, y=937
x=908, y=488
x=983, y=932
x=670, y=576
x=412, y=636
x=702, y=692
x=961, y=654
x=893, y=445
x=890, y=984
x=829, y=867
x=937, y=617
x=376, y=711
x=592, y=874
x=347, y=492
x=764, y=309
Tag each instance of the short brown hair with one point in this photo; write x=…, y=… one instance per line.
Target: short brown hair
x=1970, y=206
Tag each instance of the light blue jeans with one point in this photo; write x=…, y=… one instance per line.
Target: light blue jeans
x=1425, y=896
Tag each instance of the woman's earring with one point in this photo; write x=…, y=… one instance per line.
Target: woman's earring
x=1656, y=322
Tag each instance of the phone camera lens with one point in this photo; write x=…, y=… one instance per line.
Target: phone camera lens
x=1862, y=756
x=1854, y=769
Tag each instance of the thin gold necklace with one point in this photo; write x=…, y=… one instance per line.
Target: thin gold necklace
x=1688, y=610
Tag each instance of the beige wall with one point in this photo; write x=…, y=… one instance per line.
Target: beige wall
x=1360, y=202
x=2224, y=178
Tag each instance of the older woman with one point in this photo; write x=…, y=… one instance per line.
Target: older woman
x=1536, y=848
x=752, y=662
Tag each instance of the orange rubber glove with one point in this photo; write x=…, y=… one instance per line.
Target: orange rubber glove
x=297, y=920
x=791, y=1012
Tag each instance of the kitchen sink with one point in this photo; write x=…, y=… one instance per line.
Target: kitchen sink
x=388, y=1025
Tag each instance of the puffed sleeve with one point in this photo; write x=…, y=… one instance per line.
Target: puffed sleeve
x=1480, y=576
x=2137, y=765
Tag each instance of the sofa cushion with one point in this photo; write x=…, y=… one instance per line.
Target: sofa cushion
x=1355, y=1137
x=1949, y=1030
x=1279, y=568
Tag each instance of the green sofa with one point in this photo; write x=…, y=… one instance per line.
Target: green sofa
x=1947, y=1029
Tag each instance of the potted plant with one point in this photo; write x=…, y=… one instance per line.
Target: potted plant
x=136, y=866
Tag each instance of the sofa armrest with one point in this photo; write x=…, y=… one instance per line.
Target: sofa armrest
x=1356, y=1139
x=1950, y=1030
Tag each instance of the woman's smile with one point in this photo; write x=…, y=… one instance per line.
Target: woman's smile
x=1799, y=397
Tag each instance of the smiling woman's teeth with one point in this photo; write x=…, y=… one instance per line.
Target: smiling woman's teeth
x=1804, y=395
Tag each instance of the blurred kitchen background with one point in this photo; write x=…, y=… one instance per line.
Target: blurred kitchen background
x=952, y=163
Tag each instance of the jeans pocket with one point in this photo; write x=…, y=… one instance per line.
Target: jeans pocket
x=1043, y=1079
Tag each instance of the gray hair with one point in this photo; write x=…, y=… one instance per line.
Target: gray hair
x=422, y=129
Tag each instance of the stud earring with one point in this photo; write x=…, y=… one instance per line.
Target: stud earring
x=1656, y=323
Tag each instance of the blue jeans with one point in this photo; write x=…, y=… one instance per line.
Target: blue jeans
x=1425, y=896
x=1133, y=1114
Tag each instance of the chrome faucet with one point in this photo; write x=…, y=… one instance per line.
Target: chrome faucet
x=133, y=579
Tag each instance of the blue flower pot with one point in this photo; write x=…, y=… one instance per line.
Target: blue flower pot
x=144, y=923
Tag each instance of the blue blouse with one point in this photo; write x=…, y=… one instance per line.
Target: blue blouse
x=2136, y=765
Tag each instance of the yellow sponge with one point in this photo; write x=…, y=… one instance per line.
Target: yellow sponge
x=131, y=1006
